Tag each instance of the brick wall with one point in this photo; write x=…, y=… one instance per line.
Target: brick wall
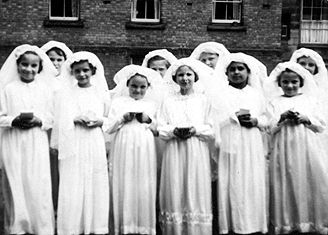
x=104, y=31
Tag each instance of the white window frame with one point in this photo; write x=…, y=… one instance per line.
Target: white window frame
x=134, y=12
x=64, y=18
x=240, y=2
x=313, y=31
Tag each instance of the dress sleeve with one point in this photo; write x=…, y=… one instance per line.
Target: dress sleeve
x=165, y=129
x=115, y=118
x=205, y=131
x=316, y=118
x=5, y=119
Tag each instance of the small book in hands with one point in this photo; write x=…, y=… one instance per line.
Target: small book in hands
x=26, y=115
x=184, y=132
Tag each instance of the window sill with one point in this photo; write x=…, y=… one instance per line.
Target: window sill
x=145, y=25
x=63, y=23
x=225, y=27
x=313, y=45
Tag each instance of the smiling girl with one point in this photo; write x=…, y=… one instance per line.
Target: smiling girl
x=298, y=165
x=25, y=118
x=132, y=155
x=81, y=109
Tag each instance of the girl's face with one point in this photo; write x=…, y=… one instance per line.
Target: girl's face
x=159, y=66
x=82, y=73
x=237, y=73
x=308, y=63
x=185, y=77
x=56, y=59
x=28, y=67
x=138, y=86
x=210, y=59
x=290, y=83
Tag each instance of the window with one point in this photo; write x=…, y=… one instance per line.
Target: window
x=64, y=10
x=145, y=10
x=226, y=11
x=314, y=23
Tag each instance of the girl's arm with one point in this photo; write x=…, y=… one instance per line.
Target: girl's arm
x=165, y=130
x=5, y=119
x=205, y=131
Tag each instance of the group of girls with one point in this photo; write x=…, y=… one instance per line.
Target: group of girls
x=148, y=151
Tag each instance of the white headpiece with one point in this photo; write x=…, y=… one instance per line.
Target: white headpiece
x=161, y=52
x=210, y=47
x=98, y=80
x=255, y=66
x=62, y=46
x=206, y=83
x=155, y=89
x=9, y=72
x=321, y=78
x=272, y=88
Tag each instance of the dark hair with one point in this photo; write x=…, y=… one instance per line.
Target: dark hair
x=247, y=68
x=289, y=71
x=137, y=74
x=58, y=51
x=93, y=68
x=316, y=70
x=20, y=58
x=174, y=77
x=156, y=58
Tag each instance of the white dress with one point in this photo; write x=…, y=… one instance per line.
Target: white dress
x=241, y=165
x=25, y=155
x=185, y=187
x=83, y=202
x=132, y=168
x=298, y=169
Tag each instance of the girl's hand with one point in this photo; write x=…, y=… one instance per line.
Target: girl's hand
x=127, y=117
x=26, y=124
x=302, y=119
x=143, y=118
x=81, y=120
x=93, y=124
x=247, y=121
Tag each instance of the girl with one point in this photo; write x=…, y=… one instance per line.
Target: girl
x=133, y=155
x=58, y=52
x=299, y=174
x=185, y=123
x=83, y=204
x=210, y=53
x=241, y=162
x=159, y=60
x=25, y=118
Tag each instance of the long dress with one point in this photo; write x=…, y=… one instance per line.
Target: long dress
x=298, y=169
x=185, y=187
x=25, y=155
x=132, y=168
x=241, y=165
x=83, y=203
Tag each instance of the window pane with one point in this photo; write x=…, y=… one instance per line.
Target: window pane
x=325, y=13
x=220, y=11
x=141, y=7
x=306, y=13
x=150, y=9
x=307, y=3
x=316, y=13
x=317, y=3
x=57, y=8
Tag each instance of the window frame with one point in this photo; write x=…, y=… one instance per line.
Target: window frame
x=304, y=25
x=157, y=12
x=226, y=21
x=65, y=18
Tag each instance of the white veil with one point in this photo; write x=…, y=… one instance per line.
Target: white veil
x=9, y=73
